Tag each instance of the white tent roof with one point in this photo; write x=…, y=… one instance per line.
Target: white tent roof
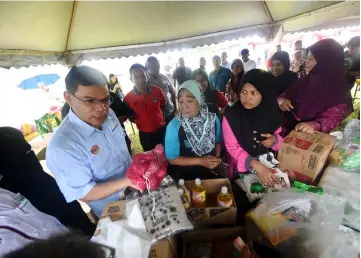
x=34, y=33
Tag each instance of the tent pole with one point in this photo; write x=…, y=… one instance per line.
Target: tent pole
x=72, y=18
x=268, y=12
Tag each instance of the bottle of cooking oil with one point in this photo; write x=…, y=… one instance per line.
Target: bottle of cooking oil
x=224, y=198
x=183, y=198
x=187, y=195
x=198, y=194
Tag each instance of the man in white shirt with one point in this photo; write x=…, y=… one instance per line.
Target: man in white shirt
x=248, y=64
x=21, y=223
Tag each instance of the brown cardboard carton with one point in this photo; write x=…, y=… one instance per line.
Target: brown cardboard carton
x=219, y=240
x=211, y=214
x=162, y=249
x=114, y=210
x=303, y=155
x=165, y=248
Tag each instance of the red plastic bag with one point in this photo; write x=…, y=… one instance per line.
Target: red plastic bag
x=150, y=166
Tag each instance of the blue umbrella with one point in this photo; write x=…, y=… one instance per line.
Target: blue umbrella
x=42, y=79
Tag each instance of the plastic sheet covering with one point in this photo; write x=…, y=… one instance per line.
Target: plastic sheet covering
x=299, y=224
x=127, y=236
x=162, y=210
x=345, y=186
x=346, y=244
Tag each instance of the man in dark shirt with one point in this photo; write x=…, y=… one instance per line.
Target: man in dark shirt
x=352, y=62
x=161, y=81
x=182, y=73
x=220, y=76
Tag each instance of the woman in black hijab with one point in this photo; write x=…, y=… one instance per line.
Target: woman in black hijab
x=281, y=76
x=252, y=125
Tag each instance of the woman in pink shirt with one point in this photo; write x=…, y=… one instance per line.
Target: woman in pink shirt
x=251, y=127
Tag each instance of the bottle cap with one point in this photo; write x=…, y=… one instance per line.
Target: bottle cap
x=198, y=181
x=224, y=189
x=180, y=191
x=181, y=182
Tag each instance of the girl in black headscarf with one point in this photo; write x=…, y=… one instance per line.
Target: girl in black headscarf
x=281, y=76
x=252, y=125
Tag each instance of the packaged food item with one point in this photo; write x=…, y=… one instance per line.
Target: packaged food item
x=309, y=188
x=301, y=223
x=187, y=194
x=254, y=189
x=47, y=124
x=224, y=198
x=199, y=194
x=162, y=210
x=184, y=200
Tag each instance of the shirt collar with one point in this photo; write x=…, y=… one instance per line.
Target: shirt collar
x=137, y=92
x=83, y=128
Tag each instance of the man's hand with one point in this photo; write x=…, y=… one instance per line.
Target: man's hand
x=271, y=139
x=286, y=105
x=209, y=162
x=129, y=184
x=306, y=127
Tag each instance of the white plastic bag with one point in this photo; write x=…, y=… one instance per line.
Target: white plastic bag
x=127, y=236
x=301, y=223
x=249, y=182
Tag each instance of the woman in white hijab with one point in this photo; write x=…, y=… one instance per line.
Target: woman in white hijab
x=193, y=137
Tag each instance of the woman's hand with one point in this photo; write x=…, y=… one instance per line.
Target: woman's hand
x=209, y=162
x=264, y=174
x=306, y=127
x=286, y=105
x=270, y=141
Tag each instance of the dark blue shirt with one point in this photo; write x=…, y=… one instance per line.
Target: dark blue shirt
x=219, y=79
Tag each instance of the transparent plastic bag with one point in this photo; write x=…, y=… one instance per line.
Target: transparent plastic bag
x=345, y=186
x=346, y=156
x=162, y=210
x=351, y=133
x=300, y=224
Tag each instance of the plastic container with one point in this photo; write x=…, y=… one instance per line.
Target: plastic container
x=224, y=198
x=184, y=200
x=199, y=194
x=187, y=194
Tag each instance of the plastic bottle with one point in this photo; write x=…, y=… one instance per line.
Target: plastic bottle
x=184, y=201
x=309, y=188
x=224, y=198
x=187, y=195
x=198, y=194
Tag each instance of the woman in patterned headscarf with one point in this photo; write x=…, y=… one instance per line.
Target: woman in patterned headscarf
x=192, y=142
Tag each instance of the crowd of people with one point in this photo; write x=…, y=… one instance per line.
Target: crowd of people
x=232, y=115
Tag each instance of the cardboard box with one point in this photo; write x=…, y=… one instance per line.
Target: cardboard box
x=211, y=214
x=302, y=155
x=162, y=249
x=165, y=248
x=220, y=241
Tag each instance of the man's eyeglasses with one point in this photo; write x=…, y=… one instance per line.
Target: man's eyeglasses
x=92, y=102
